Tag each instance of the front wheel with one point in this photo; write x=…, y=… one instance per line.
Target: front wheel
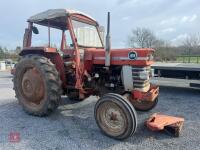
x=115, y=116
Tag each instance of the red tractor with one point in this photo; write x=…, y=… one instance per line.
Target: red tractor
x=84, y=67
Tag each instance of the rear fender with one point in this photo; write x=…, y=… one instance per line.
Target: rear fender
x=37, y=50
x=53, y=55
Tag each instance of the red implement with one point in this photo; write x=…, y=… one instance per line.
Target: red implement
x=170, y=124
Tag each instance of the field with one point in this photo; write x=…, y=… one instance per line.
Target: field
x=188, y=59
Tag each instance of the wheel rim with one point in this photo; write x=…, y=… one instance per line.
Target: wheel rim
x=32, y=86
x=112, y=118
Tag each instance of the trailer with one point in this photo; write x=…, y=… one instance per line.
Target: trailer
x=180, y=71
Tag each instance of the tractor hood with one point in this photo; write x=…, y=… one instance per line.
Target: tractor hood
x=128, y=56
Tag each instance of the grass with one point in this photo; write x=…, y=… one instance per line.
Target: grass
x=188, y=59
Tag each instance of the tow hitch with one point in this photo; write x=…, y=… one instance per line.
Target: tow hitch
x=170, y=124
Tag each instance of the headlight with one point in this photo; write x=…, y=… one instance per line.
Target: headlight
x=144, y=75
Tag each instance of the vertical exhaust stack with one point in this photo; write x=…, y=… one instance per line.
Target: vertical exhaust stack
x=108, y=43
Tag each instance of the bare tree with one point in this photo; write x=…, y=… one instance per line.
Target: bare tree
x=145, y=38
x=192, y=41
x=18, y=49
x=192, y=44
x=142, y=37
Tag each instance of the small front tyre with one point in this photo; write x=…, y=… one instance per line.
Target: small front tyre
x=115, y=116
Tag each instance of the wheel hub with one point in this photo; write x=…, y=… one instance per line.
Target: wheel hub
x=27, y=86
x=33, y=86
x=112, y=117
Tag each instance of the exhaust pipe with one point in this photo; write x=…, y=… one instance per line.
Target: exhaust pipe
x=108, y=43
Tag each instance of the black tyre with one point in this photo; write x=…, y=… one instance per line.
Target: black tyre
x=115, y=116
x=144, y=105
x=37, y=85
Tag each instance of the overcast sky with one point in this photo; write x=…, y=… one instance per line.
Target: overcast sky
x=171, y=20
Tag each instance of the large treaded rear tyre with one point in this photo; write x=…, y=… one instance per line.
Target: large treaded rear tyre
x=115, y=116
x=37, y=85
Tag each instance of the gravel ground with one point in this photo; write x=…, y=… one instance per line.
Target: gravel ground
x=73, y=126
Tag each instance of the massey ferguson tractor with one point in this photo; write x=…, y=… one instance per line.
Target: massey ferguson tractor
x=82, y=66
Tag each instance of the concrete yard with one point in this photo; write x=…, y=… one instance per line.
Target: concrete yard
x=73, y=126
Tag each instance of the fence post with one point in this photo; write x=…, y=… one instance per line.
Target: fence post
x=189, y=59
x=189, y=54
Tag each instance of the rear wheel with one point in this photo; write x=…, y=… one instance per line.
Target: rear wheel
x=115, y=116
x=144, y=105
x=37, y=85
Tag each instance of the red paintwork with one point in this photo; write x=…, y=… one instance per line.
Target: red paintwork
x=50, y=50
x=27, y=50
x=158, y=122
x=146, y=96
x=78, y=84
x=58, y=61
x=92, y=53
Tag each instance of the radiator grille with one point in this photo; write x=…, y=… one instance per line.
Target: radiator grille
x=142, y=84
